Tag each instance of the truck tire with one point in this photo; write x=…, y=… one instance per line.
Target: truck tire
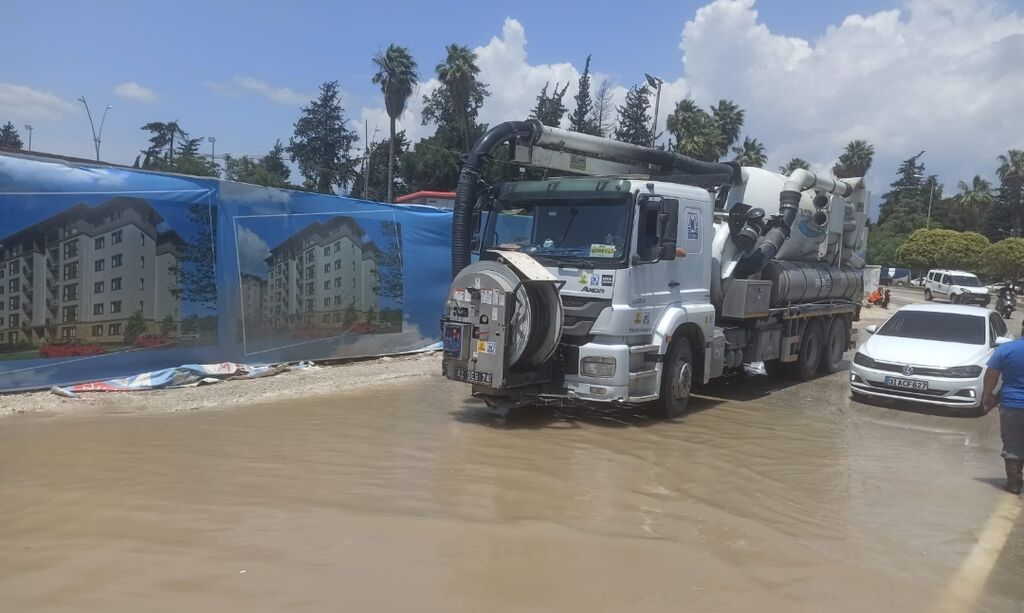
x=811, y=347
x=778, y=369
x=835, y=346
x=928, y=294
x=676, y=381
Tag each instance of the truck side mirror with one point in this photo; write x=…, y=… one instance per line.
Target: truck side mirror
x=668, y=220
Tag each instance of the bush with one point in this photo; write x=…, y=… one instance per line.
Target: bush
x=926, y=249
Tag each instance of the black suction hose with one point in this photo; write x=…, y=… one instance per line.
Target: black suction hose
x=769, y=244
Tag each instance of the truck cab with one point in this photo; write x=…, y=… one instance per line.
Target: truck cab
x=632, y=259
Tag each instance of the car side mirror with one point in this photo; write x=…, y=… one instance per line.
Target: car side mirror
x=1002, y=340
x=871, y=329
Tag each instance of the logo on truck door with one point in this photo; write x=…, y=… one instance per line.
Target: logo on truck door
x=692, y=225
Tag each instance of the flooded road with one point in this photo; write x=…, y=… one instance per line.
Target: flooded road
x=411, y=498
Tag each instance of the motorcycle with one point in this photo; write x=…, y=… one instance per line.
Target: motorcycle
x=1006, y=304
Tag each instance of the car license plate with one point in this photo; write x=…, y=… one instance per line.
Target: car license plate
x=472, y=376
x=910, y=384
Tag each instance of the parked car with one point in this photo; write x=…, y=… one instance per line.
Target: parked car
x=69, y=347
x=957, y=286
x=918, y=282
x=929, y=353
x=152, y=340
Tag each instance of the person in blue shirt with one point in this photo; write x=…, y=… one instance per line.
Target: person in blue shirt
x=1007, y=363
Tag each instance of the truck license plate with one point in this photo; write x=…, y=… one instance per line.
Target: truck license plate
x=472, y=376
x=910, y=384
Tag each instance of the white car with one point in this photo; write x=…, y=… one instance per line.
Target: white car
x=957, y=286
x=929, y=353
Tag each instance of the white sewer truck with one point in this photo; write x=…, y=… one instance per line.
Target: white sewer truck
x=645, y=274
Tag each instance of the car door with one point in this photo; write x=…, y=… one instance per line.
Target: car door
x=997, y=327
x=944, y=283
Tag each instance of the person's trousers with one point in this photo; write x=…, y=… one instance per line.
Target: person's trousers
x=1011, y=424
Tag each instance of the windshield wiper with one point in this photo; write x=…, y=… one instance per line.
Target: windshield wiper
x=562, y=259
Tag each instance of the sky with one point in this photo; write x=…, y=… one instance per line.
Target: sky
x=943, y=76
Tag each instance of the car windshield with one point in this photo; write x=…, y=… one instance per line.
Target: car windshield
x=936, y=326
x=562, y=228
x=966, y=280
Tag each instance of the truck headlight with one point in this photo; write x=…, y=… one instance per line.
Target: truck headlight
x=597, y=366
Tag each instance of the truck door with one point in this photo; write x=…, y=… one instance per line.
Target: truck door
x=655, y=272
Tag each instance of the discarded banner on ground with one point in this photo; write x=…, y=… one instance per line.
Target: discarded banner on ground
x=180, y=376
x=107, y=272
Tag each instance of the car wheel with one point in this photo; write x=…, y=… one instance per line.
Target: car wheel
x=811, y=345
x=835, y=347
x=954, y=299
x=928, y=294
x=676, y=381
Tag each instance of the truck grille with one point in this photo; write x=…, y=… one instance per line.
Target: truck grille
x=580, y=314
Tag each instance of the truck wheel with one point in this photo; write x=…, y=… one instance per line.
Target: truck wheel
x=676, y=381
x=811, y=346
x=835, y=347
x=928, y=294
x=778, y=369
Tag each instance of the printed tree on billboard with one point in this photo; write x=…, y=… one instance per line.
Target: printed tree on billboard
x=389, y=270
x=197, y=268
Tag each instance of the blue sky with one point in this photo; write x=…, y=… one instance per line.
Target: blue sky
x=240, y=70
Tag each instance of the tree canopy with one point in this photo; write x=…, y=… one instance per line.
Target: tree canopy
x=322, y=142
x=634, y=123
x=582, y=119
x=943, y=249
x=396, y=75
x=550, y=108
x=855, y=160
x=9, y=137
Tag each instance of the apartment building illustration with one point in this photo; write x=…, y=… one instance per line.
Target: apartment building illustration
x=84, y=271
x=316, y=277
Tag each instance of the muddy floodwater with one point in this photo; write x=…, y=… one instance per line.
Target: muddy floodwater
x=411, y=498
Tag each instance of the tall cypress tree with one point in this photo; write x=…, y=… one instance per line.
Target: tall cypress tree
x=581, y=120
x=322, y=142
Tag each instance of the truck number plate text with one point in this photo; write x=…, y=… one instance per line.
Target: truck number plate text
x=472, y=376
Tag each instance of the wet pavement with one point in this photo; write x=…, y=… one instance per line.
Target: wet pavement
x=412, y=497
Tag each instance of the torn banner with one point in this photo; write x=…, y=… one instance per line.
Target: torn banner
x=180, y=376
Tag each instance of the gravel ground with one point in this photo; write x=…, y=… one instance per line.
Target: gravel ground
x=319, y=381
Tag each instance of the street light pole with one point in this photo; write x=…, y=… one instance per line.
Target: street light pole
x=656, y=83
x=96, y=136
x=931, y=194
x=28, y=128
x=213, y=148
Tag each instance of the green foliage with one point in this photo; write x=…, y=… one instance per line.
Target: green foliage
x=855, y=160
x=463, y=92
x=793, y=164
x=378, y=173
x=695, y=131
x=1005, y=260
x=134, y=327
x=9, y=137
x=581, y=119
x=1006, y=217
x=728, y=118
x=389, y=268
x=396, y=75
x=634, y=124
x=321, y=142
x=883, y=241
x=196, y=269
x=167, y=325
x=550, y=109
x=750, y=153
x=172, y=150
x=943, y=249
x=268, y=171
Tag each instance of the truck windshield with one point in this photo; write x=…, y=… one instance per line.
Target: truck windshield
x=571, y=228
x=966, y=280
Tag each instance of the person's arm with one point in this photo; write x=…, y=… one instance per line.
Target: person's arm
x=988, y=396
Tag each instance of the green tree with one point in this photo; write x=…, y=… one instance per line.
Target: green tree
x=550, y=109
x=975, y=200
x=167, y=325
x=750, y=153
x=160, y=153
x=459, y=76
x=883, y=241
x=378, y=171
x=322, y=142
x=634, y=124
x=269, y=170
x=1010, y=199
x=581, y=119
x=390, y=279
x=1005, y=259
x=943, y=249
x=602, y=115
x=196, y=269
x=793, y=164
x=9, y=137
x=695, y=131
x=728, y=118
x=134, y=327
x=396, y=75
x=855, y=160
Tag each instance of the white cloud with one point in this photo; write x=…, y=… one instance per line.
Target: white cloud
x=21, y=102
x=252, y=252
x=33, y=175
x=133, y=91
x=280, y=95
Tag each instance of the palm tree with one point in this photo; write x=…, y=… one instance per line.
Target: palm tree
x=750, y=153
x=1011, y=165
x=396, y=75
x=458, y=74
x=793, y=164
x=694, y=130
x=975, y=201
x=728, y=118
x=855, y=160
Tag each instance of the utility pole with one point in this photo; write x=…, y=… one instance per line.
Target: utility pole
x=931, y=194
x=28, y=128
x=213, y=148
x=96, y=136
x=656, y=83
x=366, y=160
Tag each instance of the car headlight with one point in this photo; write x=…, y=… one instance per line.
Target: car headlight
x=862, y=360
x=597, y=366
x=964, y=371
